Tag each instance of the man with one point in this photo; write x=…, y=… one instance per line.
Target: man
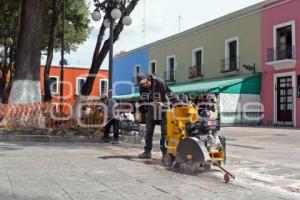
x=112, y=119
x=155, y=91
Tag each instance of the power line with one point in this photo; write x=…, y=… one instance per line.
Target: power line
x=144, y=24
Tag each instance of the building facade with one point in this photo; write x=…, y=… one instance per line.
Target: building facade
x=126, y=67
x=281, y=67
x=218, y=48
x=74, y=78
x=250, y=55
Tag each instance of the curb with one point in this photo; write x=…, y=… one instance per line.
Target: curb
x=62, y=139
x=49, y=139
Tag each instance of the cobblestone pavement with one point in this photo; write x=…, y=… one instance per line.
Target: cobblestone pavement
x=265, y=161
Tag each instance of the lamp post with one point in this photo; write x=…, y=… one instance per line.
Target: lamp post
x=62, y=55
x=115, y=10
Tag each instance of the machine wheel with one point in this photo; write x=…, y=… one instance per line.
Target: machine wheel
x=168, y=160
x=223, y=142
x=207, y=167
x=192, y=166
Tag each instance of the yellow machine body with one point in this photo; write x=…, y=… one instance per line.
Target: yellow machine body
x=177, y=119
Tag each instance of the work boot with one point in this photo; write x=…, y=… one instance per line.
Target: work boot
x=116, y=141
x=145, y=155
x=105, y=140
x=163, y=155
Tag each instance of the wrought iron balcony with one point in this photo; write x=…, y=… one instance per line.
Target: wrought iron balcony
x=195, y=71
x=230, y=64
x=169, y=76
x=282, y=52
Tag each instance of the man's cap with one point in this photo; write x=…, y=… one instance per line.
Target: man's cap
x=142, y=77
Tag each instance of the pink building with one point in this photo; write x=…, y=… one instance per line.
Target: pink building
x=281, y=66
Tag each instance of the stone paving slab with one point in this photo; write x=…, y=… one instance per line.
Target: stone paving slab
x=96, y=171
x=266, y=162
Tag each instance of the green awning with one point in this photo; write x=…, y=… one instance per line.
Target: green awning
x=128, y=96
x=243, y=84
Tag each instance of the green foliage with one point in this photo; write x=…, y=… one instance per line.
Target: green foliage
x=9, y=20
x=76, y=25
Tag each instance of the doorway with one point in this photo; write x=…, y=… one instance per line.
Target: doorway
x=285, y=99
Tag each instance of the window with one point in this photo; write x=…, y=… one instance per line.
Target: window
x=170, y=73
x=53, y=85
x=284, y=40
x=152, y=67
x=103, y=86
x=79, y=83
x=231, y=61
x=136, y=71
x=196, y=68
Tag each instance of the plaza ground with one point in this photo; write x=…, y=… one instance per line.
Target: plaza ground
x=266, y=162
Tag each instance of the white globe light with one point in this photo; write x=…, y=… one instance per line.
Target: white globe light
x=106, y=23
x=116, y=13
x=96, y=15
x=127, y=20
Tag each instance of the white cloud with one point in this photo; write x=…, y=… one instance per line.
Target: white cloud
x=162, y=20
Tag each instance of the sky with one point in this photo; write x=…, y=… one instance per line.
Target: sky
x=154, y=20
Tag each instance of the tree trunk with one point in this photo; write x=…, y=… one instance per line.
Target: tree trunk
x=4, y=72
x=54, y=21
x=99, y=55
x=7, y=88
x=26, y=84
x=9, y=84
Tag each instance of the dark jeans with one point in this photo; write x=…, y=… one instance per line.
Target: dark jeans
x=115, y=124
x=150, y=126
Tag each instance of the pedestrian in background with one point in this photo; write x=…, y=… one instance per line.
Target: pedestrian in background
x=112, y=119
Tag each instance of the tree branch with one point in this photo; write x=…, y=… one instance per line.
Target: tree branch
x=99, y=57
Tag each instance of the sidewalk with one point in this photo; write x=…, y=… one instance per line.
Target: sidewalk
x=50, y=171
x=266, y=162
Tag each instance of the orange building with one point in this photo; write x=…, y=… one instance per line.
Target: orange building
x=74, y=78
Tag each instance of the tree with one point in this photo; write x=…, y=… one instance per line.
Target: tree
x=100, y=53
x=54, y=7
x=26, y=83
x=76, y=32
x=9, y=28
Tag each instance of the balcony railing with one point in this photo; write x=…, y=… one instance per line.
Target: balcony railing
x=195, y=71
x=169, y=76
x=230, y=64
x=282, y=52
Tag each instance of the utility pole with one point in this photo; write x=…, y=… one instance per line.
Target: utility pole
x=62, y=56
x=179, y=23
x=144, y=23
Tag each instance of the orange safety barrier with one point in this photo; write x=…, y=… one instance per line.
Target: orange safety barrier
x=48, y=115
